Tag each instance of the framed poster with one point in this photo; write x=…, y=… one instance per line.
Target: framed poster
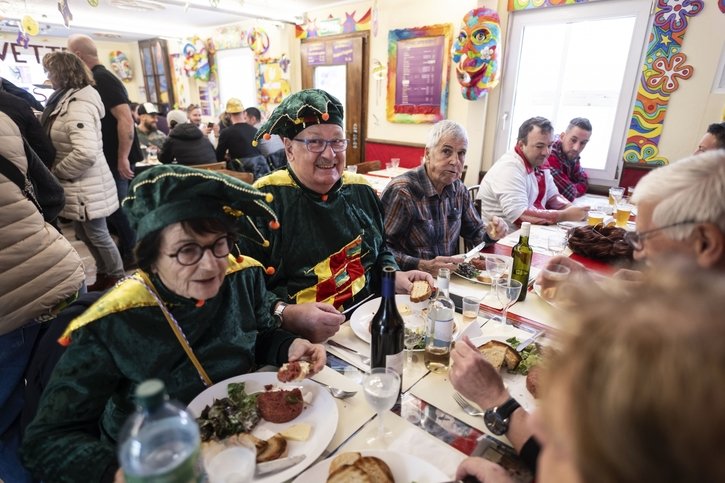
x=418, y=73
x=272, y=83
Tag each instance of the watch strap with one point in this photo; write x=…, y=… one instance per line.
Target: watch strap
x=506, y=409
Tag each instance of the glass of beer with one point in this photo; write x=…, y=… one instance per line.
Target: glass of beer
x=595, y=218
x=622, y=214
x=615, y=195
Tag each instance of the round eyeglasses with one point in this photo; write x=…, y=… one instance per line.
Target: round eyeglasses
x=315, y=145
x=191, y=253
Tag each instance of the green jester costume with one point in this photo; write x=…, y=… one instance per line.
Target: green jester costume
x=330, y=247
x=126, y=338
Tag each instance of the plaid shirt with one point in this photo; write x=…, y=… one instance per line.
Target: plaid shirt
x=569, y=176
x=421, y=224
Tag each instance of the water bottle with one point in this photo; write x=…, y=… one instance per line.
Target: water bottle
x=160, y=442
x=387, y=328
x=439, y=330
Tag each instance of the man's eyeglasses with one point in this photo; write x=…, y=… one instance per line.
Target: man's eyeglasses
x=636, y=239
x=315, y=145
x=191, y=253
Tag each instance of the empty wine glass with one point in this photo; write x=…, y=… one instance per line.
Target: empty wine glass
x=381, y=387
x=556, y=244
x=507, y=291
x=413, y=336
x=496, y=267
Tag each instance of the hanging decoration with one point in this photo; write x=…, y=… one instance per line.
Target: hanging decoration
x=258, y=40
x=93, y=3
x=665, y=67
x=29, y=25
x=284, y=63
x=120, y=65
x=476, y=52
x=528, y=4
x=196, y=60
x=334, y=26
x=65, y=12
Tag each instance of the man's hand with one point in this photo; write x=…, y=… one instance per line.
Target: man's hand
x=302, y=349
x=496, y=228
x=474, y=377
x=573, y=213
x=124, y=168
x=404, y=280
x=432, y=266
x=314, y=321
x=482, y=470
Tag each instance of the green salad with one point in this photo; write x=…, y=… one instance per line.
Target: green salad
x=236, y=413
x=530, y=356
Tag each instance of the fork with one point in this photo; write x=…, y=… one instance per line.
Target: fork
x=335, y=391
x=467, y=407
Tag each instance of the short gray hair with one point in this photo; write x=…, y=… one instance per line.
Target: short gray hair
x=692, y=189
x=445, y=128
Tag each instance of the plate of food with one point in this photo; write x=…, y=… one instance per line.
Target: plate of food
x=475, y=270
x=279, y=419
x=373, y=465
x=413, y=316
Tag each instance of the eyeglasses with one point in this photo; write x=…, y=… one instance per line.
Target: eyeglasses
x=191, y=253
x=636, y=239
x=316, y=145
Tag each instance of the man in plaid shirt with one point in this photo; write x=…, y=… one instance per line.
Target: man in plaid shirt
x=563, y=161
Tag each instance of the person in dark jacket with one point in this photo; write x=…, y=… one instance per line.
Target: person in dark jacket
x=20, y=112
x=235, y=143
x=187, y=145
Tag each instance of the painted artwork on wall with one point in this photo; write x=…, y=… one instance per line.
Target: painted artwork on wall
x=418, y=67
x=664, y=70
x=528, y=4
x=273, y=83
x=314, y=27
x=476, y=52
x=120, y=65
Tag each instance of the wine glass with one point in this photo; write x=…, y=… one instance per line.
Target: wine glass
x=381, y=387
x=508, y=291
x=412, y=337
x=556, y=244
x=496, y=267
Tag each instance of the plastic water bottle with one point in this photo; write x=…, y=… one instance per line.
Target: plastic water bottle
x=160, y=442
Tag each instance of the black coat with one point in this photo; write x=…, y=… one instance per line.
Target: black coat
x=187, y=145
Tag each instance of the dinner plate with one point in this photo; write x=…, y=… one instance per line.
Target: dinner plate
x=363, y=315
x=404, y=467
x=507, y=259
x=321, y=414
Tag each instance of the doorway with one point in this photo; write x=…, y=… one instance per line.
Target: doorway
x=339, y=65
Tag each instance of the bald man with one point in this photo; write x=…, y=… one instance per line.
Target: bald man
x=120, y=143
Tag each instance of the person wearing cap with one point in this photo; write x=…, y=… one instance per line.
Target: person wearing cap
x=235, y=143
x=330, y=250
x=147, y=129
x=194, y=314
x=186, y=144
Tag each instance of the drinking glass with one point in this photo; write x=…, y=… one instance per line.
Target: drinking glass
x=412, y=337
x=507, y=291
x=381, y=387
x=615, y=195
x=551, y=278
x=471, y=306
x=395, y=162
x=621, y=216
x=556, y=244
x=351, y=168
x=496, y=268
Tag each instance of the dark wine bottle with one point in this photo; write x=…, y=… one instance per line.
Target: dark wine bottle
x=522, y=253
x=387, y=328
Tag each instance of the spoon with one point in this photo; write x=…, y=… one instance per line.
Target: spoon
x=337, y=392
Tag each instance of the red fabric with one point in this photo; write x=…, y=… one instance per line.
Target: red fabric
x=409, y=155
x=540, y=179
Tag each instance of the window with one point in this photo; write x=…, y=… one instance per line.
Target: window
x=156, y=71
x=576, y=61
x=237, y=76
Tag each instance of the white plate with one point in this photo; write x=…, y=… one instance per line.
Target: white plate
x=321, y=414
x=405, y=468
x=505, y=258
x=363, y=315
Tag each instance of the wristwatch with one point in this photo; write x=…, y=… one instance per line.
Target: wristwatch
x=497, y=418
x=279, y=309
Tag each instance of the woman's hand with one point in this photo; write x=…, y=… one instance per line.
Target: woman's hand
x=314, y=321
x=304, y=350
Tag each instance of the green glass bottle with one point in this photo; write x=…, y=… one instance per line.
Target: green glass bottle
x=522, y=253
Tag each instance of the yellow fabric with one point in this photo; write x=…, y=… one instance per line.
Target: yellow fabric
x=276, y=178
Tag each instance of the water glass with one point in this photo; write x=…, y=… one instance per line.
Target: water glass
x=551, y=279
x=395, y=162
x=351, y=168
x=556, y=244
x=615, y=195
x=471, y=306
x=388, y=165
x=381, y=387
x=507, y=291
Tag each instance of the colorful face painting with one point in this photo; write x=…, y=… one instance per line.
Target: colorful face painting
x=476, y=52
x=120, y=65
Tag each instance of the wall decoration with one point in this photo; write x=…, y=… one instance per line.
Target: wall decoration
x=476, y=52
x=721, y=4
x=258, y=40
x=273, y=83
x=65, y=12
x=196, y=61
x=418, y=66
x=333, y=26
x=527, y=4
x=120, y=65
x=664, y=69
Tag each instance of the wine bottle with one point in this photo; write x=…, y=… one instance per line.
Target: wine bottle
x=521, y=266
x=387, y=328
x=439, y=329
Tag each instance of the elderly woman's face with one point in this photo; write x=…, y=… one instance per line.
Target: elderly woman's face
x=201, y=280
x=445, y=160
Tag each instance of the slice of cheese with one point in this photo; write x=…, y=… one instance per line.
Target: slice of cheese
x=297, y=432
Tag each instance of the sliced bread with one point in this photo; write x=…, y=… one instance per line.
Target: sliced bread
x=500, y=354
x=421, y=291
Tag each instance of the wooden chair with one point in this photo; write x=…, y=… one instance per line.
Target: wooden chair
x=463, y=173
x=244, y=176
x=367, y=166
x=472, y=192
x=212, y=166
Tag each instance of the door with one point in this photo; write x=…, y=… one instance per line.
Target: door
x=338, y=64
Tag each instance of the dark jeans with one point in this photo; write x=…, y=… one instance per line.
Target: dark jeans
x=119, y=222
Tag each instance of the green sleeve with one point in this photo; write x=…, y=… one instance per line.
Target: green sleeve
x=62, y=443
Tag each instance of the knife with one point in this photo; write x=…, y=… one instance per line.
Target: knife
x=340, y=346
x=357, y=304
x=469, y=255
x=529, y=341
x=277, y=465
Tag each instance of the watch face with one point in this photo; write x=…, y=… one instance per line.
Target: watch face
x=495, y=423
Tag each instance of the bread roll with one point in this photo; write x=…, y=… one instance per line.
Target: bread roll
x=421, y=291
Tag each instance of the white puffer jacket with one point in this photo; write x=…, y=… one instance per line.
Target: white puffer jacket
x=38, y=267
x=90, y=191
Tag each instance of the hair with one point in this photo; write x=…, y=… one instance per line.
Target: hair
x=68, y=70
x=148, y=249
x=692, y=189
x=445, y=128
x=581, y=123
x=718, y=130
x=253, y=112
x=540, y=122
x=191, y=107
x=643, y=386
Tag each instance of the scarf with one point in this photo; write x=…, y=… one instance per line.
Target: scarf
x=50, y=106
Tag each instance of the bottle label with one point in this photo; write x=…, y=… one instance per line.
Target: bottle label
x=395, y=362
x=443, y=330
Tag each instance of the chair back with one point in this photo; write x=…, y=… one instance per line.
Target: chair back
x=463, y=173
x=211, y=166
x=242, y=175
x=367, y=166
